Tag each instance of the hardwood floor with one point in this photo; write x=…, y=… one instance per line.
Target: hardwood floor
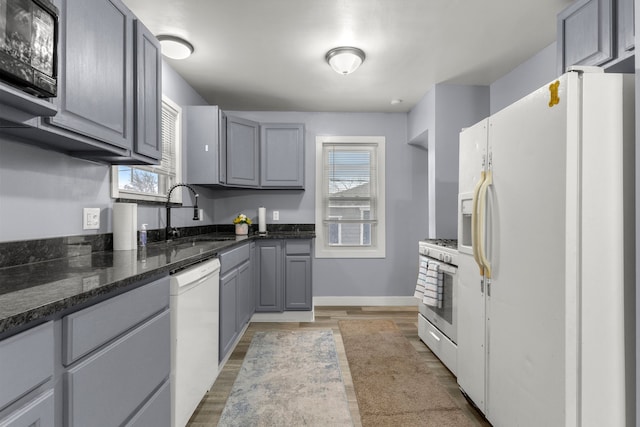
x=211, y=406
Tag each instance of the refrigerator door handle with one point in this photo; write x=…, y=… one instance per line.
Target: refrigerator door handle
x=474, y=223
x=482, y=223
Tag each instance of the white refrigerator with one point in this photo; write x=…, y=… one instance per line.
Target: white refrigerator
x=546, y=266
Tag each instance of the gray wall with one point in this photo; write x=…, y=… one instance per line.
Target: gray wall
x=406, y=203
x=42, y=192
x=532, y=74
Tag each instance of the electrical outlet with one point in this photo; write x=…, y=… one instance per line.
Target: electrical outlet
x=90, y=218
x=276, y=215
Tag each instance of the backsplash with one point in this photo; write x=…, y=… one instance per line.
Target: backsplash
x=38, y=250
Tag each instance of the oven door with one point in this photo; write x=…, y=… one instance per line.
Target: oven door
x=444, y=318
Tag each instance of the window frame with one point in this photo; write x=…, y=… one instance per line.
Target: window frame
x=377, y=249
x=176, y=196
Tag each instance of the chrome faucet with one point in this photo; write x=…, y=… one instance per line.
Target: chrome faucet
x=171, y=232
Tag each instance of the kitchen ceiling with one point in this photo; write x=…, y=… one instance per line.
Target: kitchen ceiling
x=270, y=54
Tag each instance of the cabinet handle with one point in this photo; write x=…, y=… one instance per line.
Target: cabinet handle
x=437, y=338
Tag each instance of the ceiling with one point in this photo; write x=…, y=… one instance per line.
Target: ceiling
x=268, y=55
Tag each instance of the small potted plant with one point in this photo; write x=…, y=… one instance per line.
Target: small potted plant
x=242, y=223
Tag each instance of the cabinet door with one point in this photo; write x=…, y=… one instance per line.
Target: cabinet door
x=206, y=134
x=125, y=374
x=282, y=155
x=585, y=34
x=148, y=138
x=626, y=27
x=228, y=311
x=297, y=282
x=95, y=72
x=242, y=150
x=39, y=412
x=270, y=287
x=245, y=294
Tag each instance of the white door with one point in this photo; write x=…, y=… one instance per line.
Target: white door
x=471, y=296
x=525, y=303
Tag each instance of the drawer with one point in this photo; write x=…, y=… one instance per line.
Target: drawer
x=298, y=247
x=88, y=329
x=233, y=258
x=38, y=412
x=157, y=411
x=439, y=344
x=26, y=361
x=109, y=386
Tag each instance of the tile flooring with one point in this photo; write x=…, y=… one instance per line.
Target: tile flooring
x=209, y=410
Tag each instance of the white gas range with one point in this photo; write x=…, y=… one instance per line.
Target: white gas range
x=437, y=320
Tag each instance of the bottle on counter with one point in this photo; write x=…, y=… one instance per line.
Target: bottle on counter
x=143, y=236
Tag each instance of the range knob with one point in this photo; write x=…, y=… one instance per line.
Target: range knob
x=447, y=258
x=441, y=257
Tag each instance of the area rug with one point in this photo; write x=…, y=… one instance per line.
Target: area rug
x=289, y=378
x=393, y=385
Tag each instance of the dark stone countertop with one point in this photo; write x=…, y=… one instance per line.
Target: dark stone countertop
x=35, y=292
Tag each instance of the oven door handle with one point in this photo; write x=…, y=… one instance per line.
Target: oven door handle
x=474, y=222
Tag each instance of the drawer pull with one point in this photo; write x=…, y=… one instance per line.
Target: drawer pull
x=437, y=338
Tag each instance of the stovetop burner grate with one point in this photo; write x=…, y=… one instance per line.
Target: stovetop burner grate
x=447, y=243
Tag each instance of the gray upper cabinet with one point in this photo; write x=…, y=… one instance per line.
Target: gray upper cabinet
x=109, y=87
x=585, y=34
x=243, y=152
x=95, y=71
x=282, y=155
x=206, y=145
x=597, y=32
x=626, y=31
x=148, y=74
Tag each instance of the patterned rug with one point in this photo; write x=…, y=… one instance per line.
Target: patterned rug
x=393, y=385
x=289, y=378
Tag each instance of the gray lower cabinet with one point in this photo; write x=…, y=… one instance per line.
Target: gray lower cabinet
x=126, y=373
x=236, y=295
x=284, y=275
x=107, y=364
x=297, y=281
x=26, y=372
x=123, y=358
x=270, y=284
x=243, y=152
x=282, y=155
x=228, y=312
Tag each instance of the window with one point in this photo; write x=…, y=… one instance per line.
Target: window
x=350, y=202
x=151, y=183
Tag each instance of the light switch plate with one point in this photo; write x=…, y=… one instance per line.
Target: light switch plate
x=276, y=215
x=90, y=218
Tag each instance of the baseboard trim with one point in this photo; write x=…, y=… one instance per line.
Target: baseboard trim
x=286, y=316
x=364, y=301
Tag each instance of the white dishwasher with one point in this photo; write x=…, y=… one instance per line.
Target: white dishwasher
x=195, y=309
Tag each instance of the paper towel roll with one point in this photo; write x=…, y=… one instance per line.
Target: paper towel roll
x=262, y=220
x=125, y=224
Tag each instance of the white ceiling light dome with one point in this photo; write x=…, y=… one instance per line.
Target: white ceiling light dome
x=174, y=47
x=345, y=59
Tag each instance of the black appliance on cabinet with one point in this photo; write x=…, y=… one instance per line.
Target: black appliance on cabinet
x=28, y=46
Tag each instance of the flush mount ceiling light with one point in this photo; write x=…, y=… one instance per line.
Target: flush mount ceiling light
x=174, y=47
x=345, y=59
